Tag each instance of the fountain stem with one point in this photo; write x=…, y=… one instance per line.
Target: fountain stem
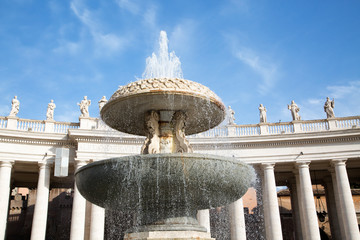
x=165, y=132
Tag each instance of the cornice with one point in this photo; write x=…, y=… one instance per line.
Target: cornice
x=105, y=140
x=104, y=136
x=35, y=138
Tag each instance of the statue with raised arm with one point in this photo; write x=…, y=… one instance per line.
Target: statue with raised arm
x=231, y=116
x=50, y=110
x=294, y=111
x=262, y=110
x=15, y=106
x=102, y=102
x=84, y=107
x=329, y=108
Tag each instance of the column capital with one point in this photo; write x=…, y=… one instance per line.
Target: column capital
x=44, y=164
x=302, y=164
x=269, y=165
x=338, y=162
x=6, y=163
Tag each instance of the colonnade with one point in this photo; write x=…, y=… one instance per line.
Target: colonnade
x=342, y=218
x=341, y=209
x=38, y=228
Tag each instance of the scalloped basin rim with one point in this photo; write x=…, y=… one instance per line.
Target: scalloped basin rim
x=125, y=111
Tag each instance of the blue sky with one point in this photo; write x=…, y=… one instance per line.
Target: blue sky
x=247, y=52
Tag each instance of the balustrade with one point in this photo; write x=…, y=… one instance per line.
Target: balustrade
x=31, y=125
x=247, y=130
x=280, y=128
x=315, y=126
x=62, y=127
x=3, y=122
x=348, y=122
x=221, y=131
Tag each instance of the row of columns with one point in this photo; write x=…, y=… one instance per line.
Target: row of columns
x=38, y=229
x=340, y=206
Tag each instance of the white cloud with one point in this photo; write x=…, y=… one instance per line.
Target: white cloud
x=346, y=101
x=183, y=37
x=312, y=109
x=149, y=17
x=147, y=12
x=267, y=70
x=352, y=89
x=315, y=101
x=107, y=42
x=347, y=98
x=67, y=47
x=128, y=5
x=235, y=6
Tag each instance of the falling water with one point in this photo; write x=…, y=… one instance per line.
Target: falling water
x=163, y=64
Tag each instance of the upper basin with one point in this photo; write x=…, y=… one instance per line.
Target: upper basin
x=126, y=109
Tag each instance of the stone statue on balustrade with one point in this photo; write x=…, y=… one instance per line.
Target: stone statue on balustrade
x=50, y=110
x=102, y=102
x=262, y=110
x=329, y=108
x=294, y=111
x=84, y=107
x=15, y=106
x=231, y=113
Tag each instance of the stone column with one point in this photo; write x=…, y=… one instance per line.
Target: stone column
x=203, y=217
x=271, y=205
x=346, y=201
x=331, y=207
x=237, y=220
x=308, y=203
x=5, y=177
x=300, y=204
x=295, y=208
x=38, y=228
x=97, y=224
x=337, y=203
x=77, y=230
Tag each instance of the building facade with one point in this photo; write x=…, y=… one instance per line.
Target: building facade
x=42, y=157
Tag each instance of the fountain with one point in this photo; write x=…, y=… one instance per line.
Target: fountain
x=167, y=183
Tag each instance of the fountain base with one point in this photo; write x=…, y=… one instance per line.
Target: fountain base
x=169, y=235
x=171, y=224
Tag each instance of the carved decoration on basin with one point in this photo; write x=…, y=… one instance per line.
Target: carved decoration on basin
x=164, y=84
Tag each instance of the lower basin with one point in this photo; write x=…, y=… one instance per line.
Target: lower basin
x=164, y=187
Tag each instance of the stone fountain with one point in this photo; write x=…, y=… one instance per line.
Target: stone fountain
x=167, y=183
